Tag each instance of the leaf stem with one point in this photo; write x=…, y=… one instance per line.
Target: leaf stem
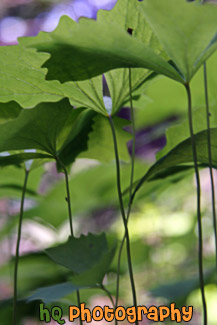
x=133, y=144
x=18, y=246
x=68, y=199
x=210, y=158
x=108, y=294
x=130, y=267
x=199, y=221
x=131, y=184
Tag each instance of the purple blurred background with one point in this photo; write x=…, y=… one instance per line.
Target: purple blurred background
x=27, y=17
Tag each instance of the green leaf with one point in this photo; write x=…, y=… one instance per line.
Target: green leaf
x=22, y=78
x=180, y=290
x=17, y=159
x=179, y=132
x=9, y=111
x=53, y=293
x=88, y=257
x=127, y=14
x=59, y=130
x=186, y=40
x=182, y=153
x=88, y=93
x=79, y=142
x=96, y=47
x=24, y=82
x=48, y=127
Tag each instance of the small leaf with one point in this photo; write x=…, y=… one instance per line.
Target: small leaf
x=88, y=257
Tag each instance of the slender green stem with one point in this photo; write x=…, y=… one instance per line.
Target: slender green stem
x=210, y=159
x=18, y=247
x=68, y=199
x=130, y=267
x=108, y=294
x=133, y=142
x=67, y=194
x=199, y=221
x=131, y=184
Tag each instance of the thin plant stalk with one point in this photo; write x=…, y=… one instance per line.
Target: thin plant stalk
x=210, y=159
x=108, y=294
x=68, y=199
x=199, y=221
x=130, y=267
x=70, y=216
x=18, y=246
x=131, y=183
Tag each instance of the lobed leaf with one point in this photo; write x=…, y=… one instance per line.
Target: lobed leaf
x=48, y=127
x=187, y=32
x=87, y=256
x=22, y=79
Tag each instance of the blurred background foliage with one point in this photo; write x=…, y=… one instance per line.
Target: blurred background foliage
x=162, y=226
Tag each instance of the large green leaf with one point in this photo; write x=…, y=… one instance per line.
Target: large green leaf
x=88, y=257
x=61, y=131
x=22, y=79
x=96, y=47
x=88, y=93
x=48, y=127
x=125, y=15
x=187, y=31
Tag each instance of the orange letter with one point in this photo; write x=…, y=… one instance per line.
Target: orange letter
x=131, y=314
x=176, y=311
x=153, y=313
x=85, y=313
x=139, y=312
x=162, y=314
x=123, y=311
x=95, y=317
x=107, y=311
x=189, y=313
x=72, y=316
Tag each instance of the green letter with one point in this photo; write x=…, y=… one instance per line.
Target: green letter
x=57, y=315
x=44, y=313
